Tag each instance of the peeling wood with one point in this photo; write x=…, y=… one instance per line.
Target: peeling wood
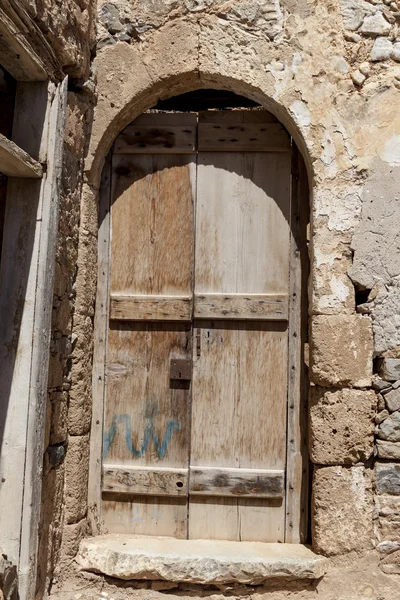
x=15, y=162
x=24, y=50
x=249, y=483
x=151, y=308
x=149, y=481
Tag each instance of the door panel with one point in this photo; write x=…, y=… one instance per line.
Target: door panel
x=196, y=410
x=152, y=224
x=242, y=223
x=239, y=418
x=147, y=409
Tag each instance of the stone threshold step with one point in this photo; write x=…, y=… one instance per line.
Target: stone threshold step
x=203, y=562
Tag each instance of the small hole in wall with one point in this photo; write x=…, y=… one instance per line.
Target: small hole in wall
x=179, y=484
x=362, y=294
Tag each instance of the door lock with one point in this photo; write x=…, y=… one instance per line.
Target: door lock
x=180, y=368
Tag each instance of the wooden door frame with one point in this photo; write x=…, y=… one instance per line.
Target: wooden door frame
x=297, y=461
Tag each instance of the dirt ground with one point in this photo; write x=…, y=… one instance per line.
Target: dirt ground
x=350, y=578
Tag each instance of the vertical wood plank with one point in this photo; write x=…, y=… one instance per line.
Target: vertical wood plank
x=297, y=456
x=20, y=300
x=41, y=343
x=99, y=349
x=147, y=414
x=242, y=223
x=152, y=224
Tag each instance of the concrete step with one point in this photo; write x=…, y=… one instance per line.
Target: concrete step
x=197, y=561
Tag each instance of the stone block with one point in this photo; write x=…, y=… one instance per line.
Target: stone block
x=76, y=478
x=389, y=369
x=8, y=578
x=342, y=509
x=71, y=538
x=391, y=564
x=341, y=425
x=389, y=429
x=388, y=450
x=388, y=520
x=374, y=25
x=341, y=350
x=388, y=478
x=206, y=562
x=392, y=400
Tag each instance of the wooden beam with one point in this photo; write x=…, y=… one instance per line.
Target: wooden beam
x=262, y=307
x=151, y=308
x=100, y=350
x=24, y=51
x=243, y=137
x=145, y=481
x=47, y=230
x=297, y=454
x=142, y=139
x=15, y=162
x=248, y=483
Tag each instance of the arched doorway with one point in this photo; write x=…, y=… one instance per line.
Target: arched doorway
x=203, y=352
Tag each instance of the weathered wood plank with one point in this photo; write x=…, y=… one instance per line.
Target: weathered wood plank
x=152, y=224
x=239, y=306
x=24, y=50
x=15, y=162
x=150, y=308
x=239, y=417
x=154, y=481
x=242, y=223
x=297, y=456
x=162, y=139
x=229, y=117
x=249, y=483
x=243, y=137
x=32, y=504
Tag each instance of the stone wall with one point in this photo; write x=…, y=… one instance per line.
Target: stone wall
x=329, y=71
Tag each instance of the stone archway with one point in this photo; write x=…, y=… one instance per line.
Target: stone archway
x=128, y=86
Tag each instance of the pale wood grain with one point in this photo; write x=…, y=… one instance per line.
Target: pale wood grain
x=239, y=306
x=145, y=515
x=145, y=481
x=153, y=139
x=251, y=483
x=152, y=225
x=15, y=162
x=242, y=223
x=151, y=308
x=32, y=504
x=239, y=412
x=243, y=137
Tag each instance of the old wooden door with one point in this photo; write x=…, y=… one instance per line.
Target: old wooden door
x=197, y=351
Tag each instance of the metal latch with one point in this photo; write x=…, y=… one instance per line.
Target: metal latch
x=180, y=368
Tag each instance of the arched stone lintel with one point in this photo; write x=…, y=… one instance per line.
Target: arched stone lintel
x=110, y=120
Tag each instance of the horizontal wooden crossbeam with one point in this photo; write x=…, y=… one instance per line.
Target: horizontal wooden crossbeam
x=151, y=308
x=147, y=481
x=248, y=483
x=266, y=307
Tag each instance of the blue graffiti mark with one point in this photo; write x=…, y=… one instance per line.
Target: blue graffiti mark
x=149, y=435
x=109, y=437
